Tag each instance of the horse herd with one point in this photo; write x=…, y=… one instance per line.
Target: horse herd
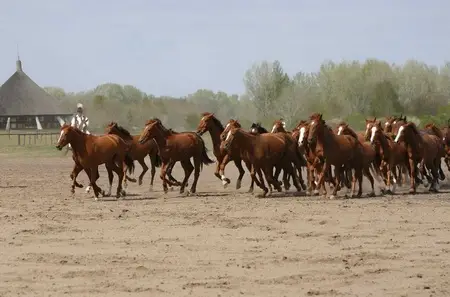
x=387, y=154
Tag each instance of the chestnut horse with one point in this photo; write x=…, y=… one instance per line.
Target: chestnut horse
x=314, y=158
x=433, y=130
x=392, y=154
x=175, y=147
x=265, y=152
x=91, y=151
x=421, y=148
x=209, y=123
x=138, y=151
x=339, y=151
x=279, y=126
x=371, y=162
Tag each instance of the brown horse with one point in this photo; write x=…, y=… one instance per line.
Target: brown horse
x=421, y=148
x=279, y=126
x=138, y=151
x=371, y=162
x=314, y=157
x=215, y=128
x=433, y=130
x=392, y=154
x=175, y=147
x=446, y=140
x=393, y=123
x=91, y=151
x=339, y=151
x=265, y=151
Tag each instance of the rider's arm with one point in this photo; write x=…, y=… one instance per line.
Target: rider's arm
x=72, y=122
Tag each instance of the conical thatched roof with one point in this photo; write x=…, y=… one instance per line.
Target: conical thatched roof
x=20, y=95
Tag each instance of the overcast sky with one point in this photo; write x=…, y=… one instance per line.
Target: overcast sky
x=169, y=47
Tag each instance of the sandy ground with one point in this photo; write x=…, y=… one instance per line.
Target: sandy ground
x=220, y=243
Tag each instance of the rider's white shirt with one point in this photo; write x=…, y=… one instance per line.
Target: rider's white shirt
x=81, y=122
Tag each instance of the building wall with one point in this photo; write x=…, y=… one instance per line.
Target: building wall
x=29, y=122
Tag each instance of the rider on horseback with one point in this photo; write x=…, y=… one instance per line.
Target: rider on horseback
x=79, y=120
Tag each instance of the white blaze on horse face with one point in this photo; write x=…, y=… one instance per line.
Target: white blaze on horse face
x=313, y=123
x=228, y=135
x=400, y=131
x=301, y=136
x=386, y=124
x=254, y=130
x=228, y=125
x=61, y=135
x=340, y=130
x=372, y=135
x=367, y=128
x=273, y=128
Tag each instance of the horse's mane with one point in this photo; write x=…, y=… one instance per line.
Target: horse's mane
x=315, y=116
x=260, y=128
x=351, y=132
x=148, y=122
x=414, y=128
x=217, y=122
x=236, y=122
x=123, y=131
x=342, y=123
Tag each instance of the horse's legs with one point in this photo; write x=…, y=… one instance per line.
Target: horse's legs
x=368, y=174
x=216, y=173
x=152, y=170
x=197, y=165
x=241, y=170
x=435, y=176
x=259, y=183
x=292, y=170
x=144, y=170
x=92, y=173
x=225, y=180
x=171, y=180
x=162, y=175
x=321, y=182
x=412, y=166
x=441, y=172
x=76, y=170
x=109, y=169
x=337, y=180
x=252, y=181
x=188, y=168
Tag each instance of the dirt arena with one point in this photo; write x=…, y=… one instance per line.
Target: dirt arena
x=222, y=242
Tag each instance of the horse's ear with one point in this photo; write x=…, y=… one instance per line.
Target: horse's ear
x=320, y=116
x=375, y=118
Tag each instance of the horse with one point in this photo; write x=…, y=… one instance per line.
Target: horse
x=393, y=123
x=314, y=158
x=138, y=151
x=257, y=128
x=433, y=130
x=91, y=151
x=421, y=148
x=392, y=154
x=175, y=147
x=279, y=126
x=338, y=150
x=209, y=123
x=371, y=162
x=264, y=151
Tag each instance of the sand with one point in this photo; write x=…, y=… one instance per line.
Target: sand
x=223, y=242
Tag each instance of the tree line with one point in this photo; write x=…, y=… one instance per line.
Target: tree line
x=349, y=91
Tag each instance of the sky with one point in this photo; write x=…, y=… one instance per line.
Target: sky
x=173, y=48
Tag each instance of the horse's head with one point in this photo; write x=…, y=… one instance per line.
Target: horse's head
x=376, y=131
x=303, y=132
x=229, y=139
x=397, y=122
x=369, y=125
x=230, y=125
x=256, y=128
x=342, y=128
x=316, y=128
x=407, y=132
x=64, y=136
x=149, y=132
x=111, y=128
x=279, y=126
x=431, y=128
x=388, y=124
x=205, y=123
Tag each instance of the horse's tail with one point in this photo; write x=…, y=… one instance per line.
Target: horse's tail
x=157, y=162
x=205, y=159
x=129, y=162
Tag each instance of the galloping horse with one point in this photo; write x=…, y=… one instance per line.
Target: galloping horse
x=265, y=151
x=138, y=151
x=91, y=151
x=215, y=128
x=175, y=147
x=256, y=128
x=370, y=161
x=338, y=150
x=421, y=148
x=392, y=154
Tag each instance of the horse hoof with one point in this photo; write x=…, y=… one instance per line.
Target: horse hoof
x=371, y=194
x=308, y=193
x=238, y=185
x=332, y=197
x=123, y=193
x=95, y=198
x=250, y=191
x=171, y=189
x=225, y=184
x=181, y=191
x=103, y=193
x=412, y=191
x=140, y=182
x=316, y=192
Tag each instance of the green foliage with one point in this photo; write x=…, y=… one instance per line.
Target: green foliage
x=349, y=90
